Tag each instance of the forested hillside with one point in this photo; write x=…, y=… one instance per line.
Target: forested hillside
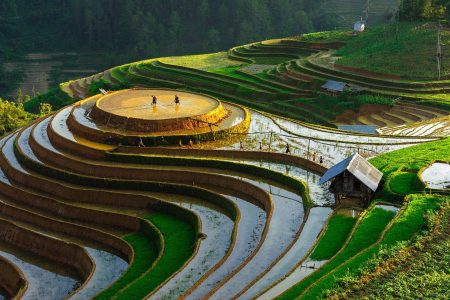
x=151, y=28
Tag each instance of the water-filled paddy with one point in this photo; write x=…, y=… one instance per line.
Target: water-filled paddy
x=45, y=280
x=437, y=176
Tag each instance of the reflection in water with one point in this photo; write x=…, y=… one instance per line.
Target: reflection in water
x=349, y=212
x=43, y=283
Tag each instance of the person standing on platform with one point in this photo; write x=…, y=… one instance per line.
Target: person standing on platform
x=177, y=100
x=154, y=100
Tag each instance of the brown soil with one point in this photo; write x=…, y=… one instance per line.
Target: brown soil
x=367, y=72
x=350, y=116
x=347, y=117
x=299, y=76
x=370, y=109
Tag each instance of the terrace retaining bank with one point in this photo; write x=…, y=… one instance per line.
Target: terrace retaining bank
x=12, y=279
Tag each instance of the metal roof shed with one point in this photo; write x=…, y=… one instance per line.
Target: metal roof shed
x=334, y=86
x=354, y=177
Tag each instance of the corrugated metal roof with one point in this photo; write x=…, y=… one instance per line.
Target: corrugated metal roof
x=359, y=167
x=334, y=86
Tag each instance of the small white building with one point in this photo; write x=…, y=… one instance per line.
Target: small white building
x=359, y=26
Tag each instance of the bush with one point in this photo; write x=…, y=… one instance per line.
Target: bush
x=55, y=97
x=13, y=116
x=373, y=99
x=44, y=109
x=95, y=86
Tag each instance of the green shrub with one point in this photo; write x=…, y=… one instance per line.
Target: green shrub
x=95, y=86
x=55, y=97
x=373, y=99
x=13, y=116
x=405, y=183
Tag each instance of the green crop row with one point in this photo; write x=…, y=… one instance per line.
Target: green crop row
x=406, y=271
x=146, y=252
x=411, y=222
x=338, y=230
x=400, y=168
x=405, y=86
x=179, y=239
x=367, y=233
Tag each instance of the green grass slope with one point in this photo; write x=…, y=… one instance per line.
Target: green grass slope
x=410, y=53
x=367, y=233
x=419, y=271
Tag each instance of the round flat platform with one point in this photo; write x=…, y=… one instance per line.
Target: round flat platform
x=138, y=104
x=133, y=110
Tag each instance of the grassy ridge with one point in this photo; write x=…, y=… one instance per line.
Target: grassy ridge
x=339, y=227
x=367, y=233
x=400, y=168
x=179, y=238
x=145, y=251
x=415, y=272
x=411, y=221
x=404, y=228
x=146, y=273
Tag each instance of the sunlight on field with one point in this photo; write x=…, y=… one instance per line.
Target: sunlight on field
x=202, y=61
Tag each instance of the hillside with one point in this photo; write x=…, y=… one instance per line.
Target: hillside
x=284, y=76
x=347, y=12
x=203, y=177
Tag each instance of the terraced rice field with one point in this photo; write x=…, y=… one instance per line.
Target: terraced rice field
x=94, y=207
x=272, y=75
x=134, y=221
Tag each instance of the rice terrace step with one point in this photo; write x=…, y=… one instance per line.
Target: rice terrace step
x=308, y=167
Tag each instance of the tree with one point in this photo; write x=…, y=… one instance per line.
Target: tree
x=12, y=116
x=44, y=109
x=213, y=39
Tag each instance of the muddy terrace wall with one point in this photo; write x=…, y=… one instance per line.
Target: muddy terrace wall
x=83, y=232
x=11, y=279
x=49, y=204
x=278, y=177
x=72, y=147
x=159, y=177
x=235, y=154
x=58, y=251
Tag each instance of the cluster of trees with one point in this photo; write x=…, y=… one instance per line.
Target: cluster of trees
x=13, y=116
x=425, y=9
x=152, y=27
